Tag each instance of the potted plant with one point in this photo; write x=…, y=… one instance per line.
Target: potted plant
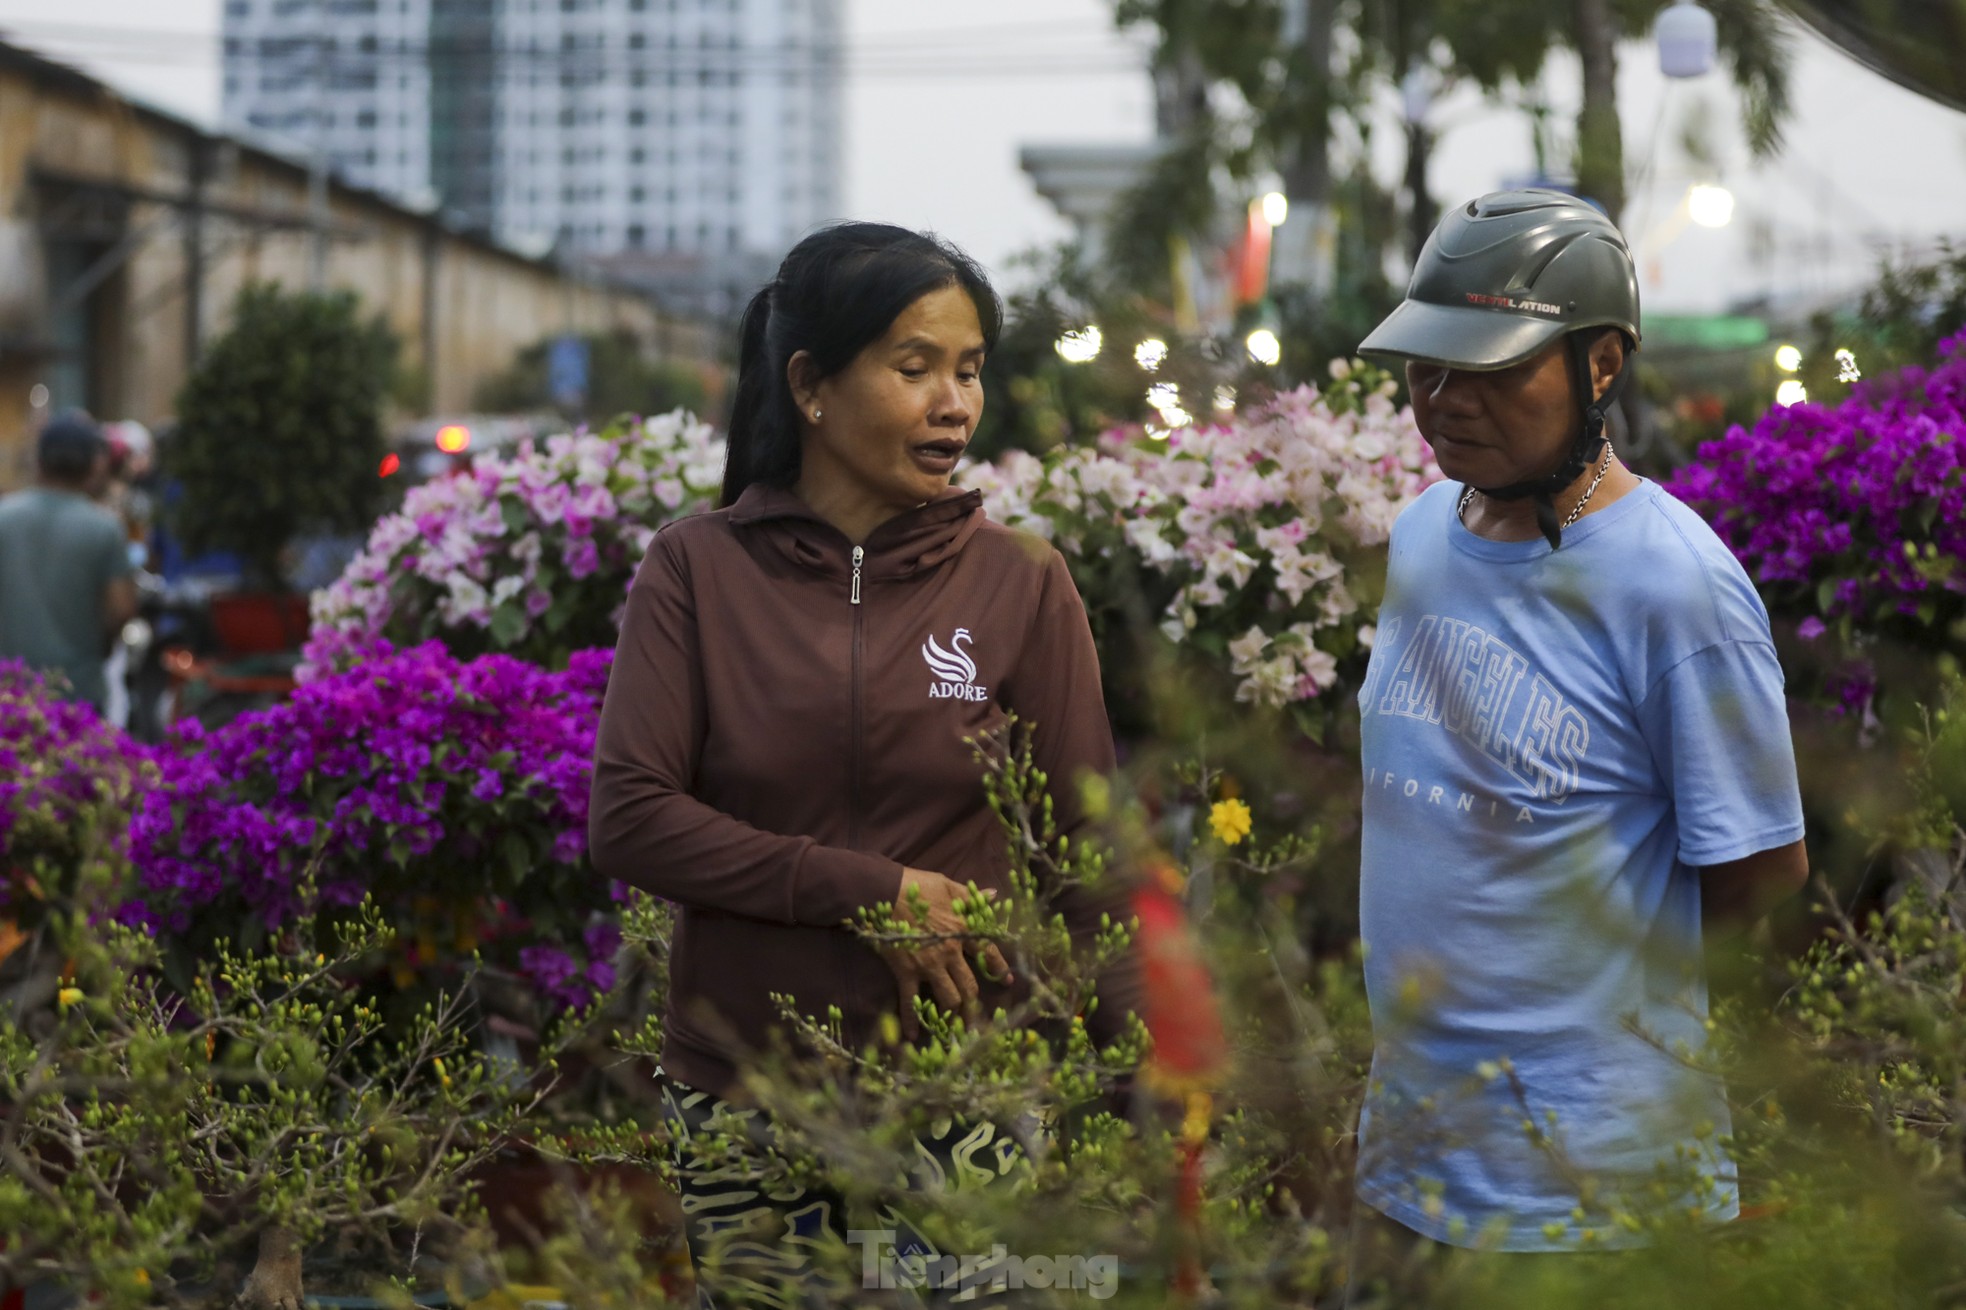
x=280, y=436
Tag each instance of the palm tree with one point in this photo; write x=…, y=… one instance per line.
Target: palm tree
x=1754, y=45
x=1502, y=43
x=1281, y=56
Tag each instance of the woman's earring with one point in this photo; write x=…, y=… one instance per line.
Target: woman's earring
x=815, y=416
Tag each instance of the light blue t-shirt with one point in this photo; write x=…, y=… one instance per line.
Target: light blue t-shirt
x=1553, y=743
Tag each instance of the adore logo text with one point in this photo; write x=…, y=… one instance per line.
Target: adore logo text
x=954, y=670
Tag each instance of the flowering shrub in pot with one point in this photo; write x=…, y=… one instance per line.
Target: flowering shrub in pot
x=1258, y=539
x=62, y=766
x=530, y=554
x=1261, y=537
x=68, y=784
x=452, y=792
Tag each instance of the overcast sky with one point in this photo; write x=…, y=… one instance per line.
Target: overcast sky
x=1867, y=165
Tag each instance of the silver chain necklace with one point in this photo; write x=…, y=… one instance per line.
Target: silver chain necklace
x=1603, y=467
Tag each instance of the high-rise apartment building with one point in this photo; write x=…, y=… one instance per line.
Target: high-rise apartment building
x=344, y=77
x=685, y=142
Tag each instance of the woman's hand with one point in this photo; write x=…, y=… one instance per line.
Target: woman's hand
x=940, y=963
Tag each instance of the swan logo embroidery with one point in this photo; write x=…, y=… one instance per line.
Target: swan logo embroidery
x=954, y=669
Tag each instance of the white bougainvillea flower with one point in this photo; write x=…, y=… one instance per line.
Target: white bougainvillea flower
x=1273, y=506
x=520, y=547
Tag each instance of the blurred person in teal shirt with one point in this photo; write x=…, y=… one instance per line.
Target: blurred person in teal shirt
x=65, y=573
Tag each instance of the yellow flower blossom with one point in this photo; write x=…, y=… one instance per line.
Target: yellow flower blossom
x=1230, y=821
x=67, y=996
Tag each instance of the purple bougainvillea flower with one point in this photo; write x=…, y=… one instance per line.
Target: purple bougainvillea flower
x=1852, y=511
x=67, y=779
x=413, y=776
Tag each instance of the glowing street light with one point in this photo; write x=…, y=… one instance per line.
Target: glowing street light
x=1788, y=358
x=1150, y=354
x=1710, y=205
x=1080, y=346
x=1791, y=392
x=453, y=438
x=1165, y=397
x=1264, y=347
x=1276, y=208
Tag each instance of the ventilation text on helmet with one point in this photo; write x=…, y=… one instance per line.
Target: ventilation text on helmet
x=1510, y=302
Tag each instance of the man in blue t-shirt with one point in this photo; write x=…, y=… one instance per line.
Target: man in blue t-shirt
x=1577, y=759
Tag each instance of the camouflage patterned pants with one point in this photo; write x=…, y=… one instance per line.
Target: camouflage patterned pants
x=781, y=1248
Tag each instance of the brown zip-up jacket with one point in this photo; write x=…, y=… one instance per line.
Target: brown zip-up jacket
x=784, y=731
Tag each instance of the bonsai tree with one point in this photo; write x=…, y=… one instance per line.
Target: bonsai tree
x=280, y=429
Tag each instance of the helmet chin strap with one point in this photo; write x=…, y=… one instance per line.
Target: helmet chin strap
x=1584, y=450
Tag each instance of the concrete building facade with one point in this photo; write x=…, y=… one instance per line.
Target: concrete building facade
x=126, y=234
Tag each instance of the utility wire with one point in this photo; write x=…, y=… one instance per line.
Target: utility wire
x=998, y=51
x=1022, y=33
x=1007, y=66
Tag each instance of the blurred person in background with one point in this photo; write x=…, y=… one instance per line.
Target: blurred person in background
x=127, y=491
x=125, y=494
x=65, y=571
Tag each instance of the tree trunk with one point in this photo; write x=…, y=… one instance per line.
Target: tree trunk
x=1600, y=141
x=1424, y=213
x=1302, y=247
x=274, y=1283
x=1180, y=92
x=1309, y=175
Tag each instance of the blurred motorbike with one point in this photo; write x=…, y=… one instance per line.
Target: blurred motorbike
x=200, y=649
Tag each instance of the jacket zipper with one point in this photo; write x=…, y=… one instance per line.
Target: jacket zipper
x=853, y=757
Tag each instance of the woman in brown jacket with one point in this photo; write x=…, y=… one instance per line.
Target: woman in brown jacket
x=785, y=738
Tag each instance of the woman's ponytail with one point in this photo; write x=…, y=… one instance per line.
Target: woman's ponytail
x=752, y=438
